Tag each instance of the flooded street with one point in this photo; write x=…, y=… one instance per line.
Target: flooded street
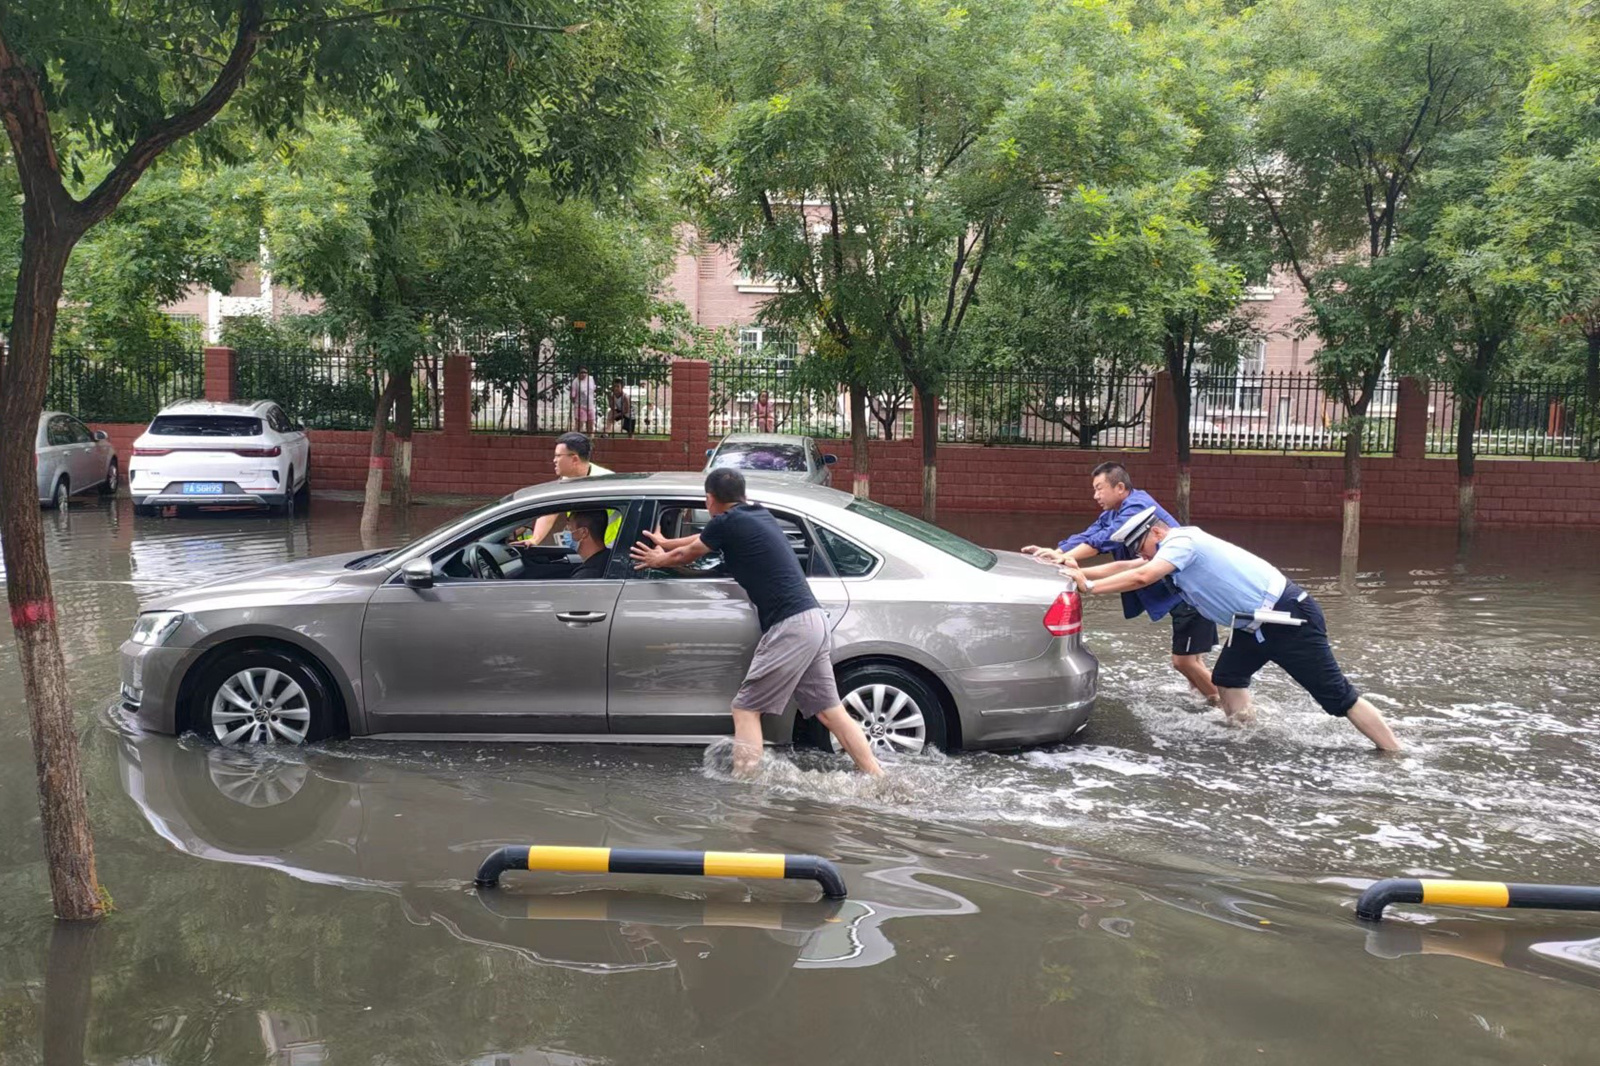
x=1162, y=889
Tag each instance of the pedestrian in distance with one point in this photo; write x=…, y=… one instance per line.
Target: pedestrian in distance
x=581, y=393
x=1270, y=618
x=791, y=660
x=619, y=411
x=1193, y=635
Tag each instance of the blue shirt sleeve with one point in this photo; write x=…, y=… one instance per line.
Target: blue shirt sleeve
x=1176, y=548
x=1097, y=536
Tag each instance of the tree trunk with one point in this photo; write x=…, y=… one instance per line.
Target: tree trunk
x=1470, y=399
x=1182, y=400
x=928, y=416
x=375, y=464
x=404, y=418
x=24, y=377
x=860, y=458
x=1591, y=370
x=1350, y=543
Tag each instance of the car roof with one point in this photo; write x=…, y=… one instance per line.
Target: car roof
x=764, y=438
x=685, y=483
x=213, y=407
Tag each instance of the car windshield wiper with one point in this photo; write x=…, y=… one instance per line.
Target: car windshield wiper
x=367, y=562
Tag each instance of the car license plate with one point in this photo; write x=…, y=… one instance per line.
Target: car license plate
x=202, y=488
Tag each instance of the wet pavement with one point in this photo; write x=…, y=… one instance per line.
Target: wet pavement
x=1160, y=890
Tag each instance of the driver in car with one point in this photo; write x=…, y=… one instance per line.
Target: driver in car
x=588, y=529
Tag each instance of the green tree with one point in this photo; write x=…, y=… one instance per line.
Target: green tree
x=129, y=79
x=876, y=157
x=1355, y=99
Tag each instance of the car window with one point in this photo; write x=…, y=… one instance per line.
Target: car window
x=80, y=432
x=849, y=558
x=507, y=540
x=756, y=455
x=930, y=535
x=684, y=519
x=59, y=431
x=205, y=426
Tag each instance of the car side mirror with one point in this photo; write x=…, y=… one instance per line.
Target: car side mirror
x=828, y=459
x=101, y=434
x=418, y=574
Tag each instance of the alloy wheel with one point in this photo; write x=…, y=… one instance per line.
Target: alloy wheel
x=890, y=718
x=260, y=705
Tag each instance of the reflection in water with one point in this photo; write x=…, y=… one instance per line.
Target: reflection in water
x=1160, y=890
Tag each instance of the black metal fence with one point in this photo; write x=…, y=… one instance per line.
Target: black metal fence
x=1073, y=410
x=766, y=395
x=1537, y=419
x=334, y=388
x=129, y=384
x=519, y=389
x=1284, y=411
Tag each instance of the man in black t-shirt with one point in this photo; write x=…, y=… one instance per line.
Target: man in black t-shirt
x=791, y=659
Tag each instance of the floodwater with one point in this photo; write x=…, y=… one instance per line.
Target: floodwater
x=1162, y=889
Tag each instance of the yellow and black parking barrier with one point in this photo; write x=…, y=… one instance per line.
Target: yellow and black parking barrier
x=643, y=861
x=1439, y=893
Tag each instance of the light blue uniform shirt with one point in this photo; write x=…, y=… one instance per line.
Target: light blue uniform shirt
x=1220, y=579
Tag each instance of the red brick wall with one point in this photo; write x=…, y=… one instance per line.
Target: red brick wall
x=975, y=478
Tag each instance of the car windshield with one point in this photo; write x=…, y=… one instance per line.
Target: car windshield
x=944, y=540
x=755, y=455
x=205, y=426
x=469, y=516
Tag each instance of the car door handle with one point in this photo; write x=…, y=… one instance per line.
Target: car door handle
x=580, y=618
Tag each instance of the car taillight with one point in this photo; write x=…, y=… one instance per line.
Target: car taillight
x=152, y=451
x=258, y=453
x=1065, y=616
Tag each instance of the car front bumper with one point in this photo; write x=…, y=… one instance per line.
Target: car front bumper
x=1021, y=704
x=150, y=678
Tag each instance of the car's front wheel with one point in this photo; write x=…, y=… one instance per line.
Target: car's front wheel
x=899, y=712
x=262, y=696
x=60, y=495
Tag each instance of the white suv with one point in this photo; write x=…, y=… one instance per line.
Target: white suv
x=197, y=452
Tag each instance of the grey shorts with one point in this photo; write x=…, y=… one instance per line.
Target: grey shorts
x=791, y=659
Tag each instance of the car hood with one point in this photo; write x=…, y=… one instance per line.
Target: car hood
x=302, y=574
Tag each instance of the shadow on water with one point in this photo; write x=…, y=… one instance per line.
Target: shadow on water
x=1161, y=890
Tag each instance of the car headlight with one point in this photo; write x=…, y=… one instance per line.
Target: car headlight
x=154, y=627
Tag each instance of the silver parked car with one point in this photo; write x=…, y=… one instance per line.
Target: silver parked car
x=783, y=455
x=69, y=458
x=468, y=632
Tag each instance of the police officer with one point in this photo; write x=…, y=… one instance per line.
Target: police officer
x=1193, y=635
x=1234, y=588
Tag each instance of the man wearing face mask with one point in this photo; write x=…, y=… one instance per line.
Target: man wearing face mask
x=588, y=529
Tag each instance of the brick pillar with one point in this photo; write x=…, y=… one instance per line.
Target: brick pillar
x=1411, y=420
x=1163, y=421
x=691, y=410
x=222, y=377
x=457, y=395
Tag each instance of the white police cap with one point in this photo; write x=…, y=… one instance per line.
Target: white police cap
x=1131, y=532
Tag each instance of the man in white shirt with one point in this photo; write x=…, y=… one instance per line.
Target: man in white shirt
x=571, y=462
x=1229, y=585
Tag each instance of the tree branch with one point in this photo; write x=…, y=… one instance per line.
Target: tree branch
x=415, y=9
x=27, y=120
x=109, y=193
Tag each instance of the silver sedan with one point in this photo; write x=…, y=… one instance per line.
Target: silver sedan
x=71, y=458
x=472, y=632
x=783, y=455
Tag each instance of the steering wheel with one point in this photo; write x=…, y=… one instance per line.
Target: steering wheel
x=482, y=563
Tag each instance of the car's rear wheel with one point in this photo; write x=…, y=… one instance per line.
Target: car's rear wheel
x=60, y=495
x=262, y=696
x=286, y=508
x=108, y=487
x=899, y=711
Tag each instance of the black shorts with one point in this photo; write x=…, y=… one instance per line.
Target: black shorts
x=1192, y=632
x=1302, y=651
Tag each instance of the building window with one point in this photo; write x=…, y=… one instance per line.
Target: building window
x=764, y=342
x=1237, y=390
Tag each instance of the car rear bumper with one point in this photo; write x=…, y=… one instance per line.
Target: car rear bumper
x=150, y=679
x=1037, y=701
x=233, y=498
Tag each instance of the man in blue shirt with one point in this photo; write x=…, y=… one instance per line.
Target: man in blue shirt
x=1230, y=586
x=1192, y=633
